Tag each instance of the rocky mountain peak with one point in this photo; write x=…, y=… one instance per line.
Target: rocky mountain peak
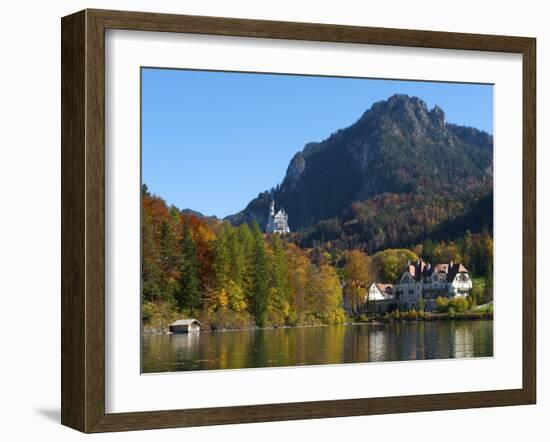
x=406, y=114
x=438, y=117
x=397, y=146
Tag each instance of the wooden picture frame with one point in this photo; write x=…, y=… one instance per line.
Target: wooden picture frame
x=83, y=220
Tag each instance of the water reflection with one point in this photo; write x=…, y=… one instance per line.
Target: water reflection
x=317, y=345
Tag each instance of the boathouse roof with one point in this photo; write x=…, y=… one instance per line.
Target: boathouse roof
x=186, y=322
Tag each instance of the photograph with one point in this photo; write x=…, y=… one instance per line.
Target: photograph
x=295, y=220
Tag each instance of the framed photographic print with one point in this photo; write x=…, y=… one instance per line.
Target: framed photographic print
x=269, y=220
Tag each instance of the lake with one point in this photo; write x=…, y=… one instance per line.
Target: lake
x=317, y=345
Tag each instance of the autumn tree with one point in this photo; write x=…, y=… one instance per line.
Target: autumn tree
x=324, y=295
x=299, y=266
x=357, y=276
x=157, y=268
x=204, y=238
x=447, y=252
x=390, y=263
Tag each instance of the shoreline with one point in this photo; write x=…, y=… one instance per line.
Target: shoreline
x=428, y=317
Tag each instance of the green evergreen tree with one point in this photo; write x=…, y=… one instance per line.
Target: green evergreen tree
x=150, y=269
x=237, y=257
x=221, y=268
x=168, y=257
x=237, y=270
x=222, y=257
x=189, y=294
x=466, y=250
x=260, y=285
x=428, y=250
x=279, y=295
x=488, y=290
x=245, y=238
x=144, y=190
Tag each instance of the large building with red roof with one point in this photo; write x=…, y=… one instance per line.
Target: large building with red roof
x=420, y=281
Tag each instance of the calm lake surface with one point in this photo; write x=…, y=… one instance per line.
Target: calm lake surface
x=317, y=345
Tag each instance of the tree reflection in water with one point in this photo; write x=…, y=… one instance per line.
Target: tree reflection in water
x=317, y=345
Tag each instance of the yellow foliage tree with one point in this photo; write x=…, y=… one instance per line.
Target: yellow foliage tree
x=357, y=277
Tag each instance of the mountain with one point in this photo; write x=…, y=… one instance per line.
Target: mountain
x=210, y=219
x=192, y=212
x=398, y=150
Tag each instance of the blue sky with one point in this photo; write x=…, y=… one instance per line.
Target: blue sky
x=211, y=141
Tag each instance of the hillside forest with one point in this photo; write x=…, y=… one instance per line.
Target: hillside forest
x=232, y=277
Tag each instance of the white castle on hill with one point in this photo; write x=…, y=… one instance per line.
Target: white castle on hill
x=277, y=222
